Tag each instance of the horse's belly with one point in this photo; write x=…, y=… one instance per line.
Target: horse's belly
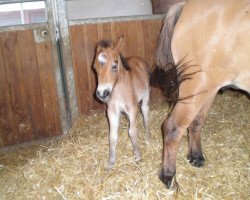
x=243, y=81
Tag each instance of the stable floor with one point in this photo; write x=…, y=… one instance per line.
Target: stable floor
x=73, y=166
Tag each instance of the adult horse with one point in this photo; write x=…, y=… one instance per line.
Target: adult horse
x=212, y=39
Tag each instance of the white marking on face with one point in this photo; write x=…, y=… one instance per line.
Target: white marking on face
x=102, y=58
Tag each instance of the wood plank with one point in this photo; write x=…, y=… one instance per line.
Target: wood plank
x=104, y=31
x=131, y=41
x=91, y=39
x=6, y=113
x=31, y=81
x=146, y=41
x=154, y=30
x=18, y=112
x=141, y=40
x=48, y=87
x=81, y=73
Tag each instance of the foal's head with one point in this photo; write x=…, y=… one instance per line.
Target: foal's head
x=107, y=64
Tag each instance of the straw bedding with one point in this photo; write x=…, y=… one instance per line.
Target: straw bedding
x=73, y=167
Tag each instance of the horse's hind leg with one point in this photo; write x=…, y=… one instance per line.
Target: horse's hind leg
x=133, y=132
x=172, y=134
x=145, y=111
x=174, y=127
x=195, y=154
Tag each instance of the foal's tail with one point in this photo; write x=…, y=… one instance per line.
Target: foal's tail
x=163, y=51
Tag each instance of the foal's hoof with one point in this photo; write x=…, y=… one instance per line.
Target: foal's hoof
x=137, y=158
x=110, y=165
x=196, y=162
x=147, y=138
x=168, y=180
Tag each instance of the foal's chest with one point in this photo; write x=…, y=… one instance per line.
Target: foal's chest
x=123, y=107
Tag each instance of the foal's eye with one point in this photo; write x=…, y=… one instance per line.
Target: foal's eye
x=114, y=66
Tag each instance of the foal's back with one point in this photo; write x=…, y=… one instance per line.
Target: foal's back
x=139, y=76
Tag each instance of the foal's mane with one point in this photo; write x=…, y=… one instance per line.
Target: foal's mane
x=108, y=44
x=125, y=63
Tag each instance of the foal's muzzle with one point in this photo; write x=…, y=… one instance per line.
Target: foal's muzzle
x=103, y=95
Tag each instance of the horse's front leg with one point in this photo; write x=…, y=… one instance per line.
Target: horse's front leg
x=114, y=119
x=133, y=131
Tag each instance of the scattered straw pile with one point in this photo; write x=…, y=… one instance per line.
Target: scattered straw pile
x=73, y=167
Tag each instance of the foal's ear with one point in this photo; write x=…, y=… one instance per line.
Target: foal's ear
x=98, y=47
x=119, y=45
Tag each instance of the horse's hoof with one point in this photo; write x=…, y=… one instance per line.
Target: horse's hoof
x=196, y=162
x=168, y=180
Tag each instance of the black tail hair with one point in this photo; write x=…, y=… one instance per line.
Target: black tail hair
x=170, y=80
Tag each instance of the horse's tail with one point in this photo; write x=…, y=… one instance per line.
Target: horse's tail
x=169, y=75
x=170, y=80
x=163, y=51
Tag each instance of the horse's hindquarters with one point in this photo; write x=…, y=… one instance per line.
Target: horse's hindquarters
x=212, y=37
x=216, y=41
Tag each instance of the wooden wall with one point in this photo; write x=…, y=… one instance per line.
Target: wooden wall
x=29, y=103
x=28, y=98
x=140, y=36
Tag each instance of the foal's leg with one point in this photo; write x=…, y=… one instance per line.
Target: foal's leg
x=145, y=110
x=114, y=118
x=195, y=154
x=133, y=131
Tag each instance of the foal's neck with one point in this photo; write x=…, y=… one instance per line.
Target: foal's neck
x=123, y=73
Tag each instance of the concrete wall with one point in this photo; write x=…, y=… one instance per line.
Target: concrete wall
x=83, y=9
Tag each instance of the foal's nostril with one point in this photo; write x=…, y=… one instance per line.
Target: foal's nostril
x=97, y=93
x=106, y=93
x=103, y=95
